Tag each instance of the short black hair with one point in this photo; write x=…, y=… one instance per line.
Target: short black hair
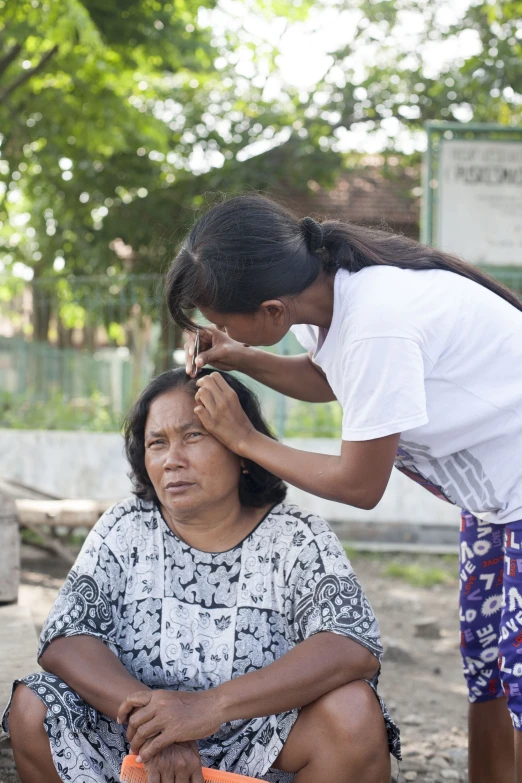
x=257, y=488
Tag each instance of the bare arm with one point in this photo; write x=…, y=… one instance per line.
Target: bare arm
x=294, y=376
x=91, y=669
x=358, y=477
x=314, y=667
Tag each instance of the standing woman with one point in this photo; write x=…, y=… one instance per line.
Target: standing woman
x=424, y=353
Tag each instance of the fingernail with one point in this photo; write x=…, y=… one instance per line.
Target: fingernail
x=139, y=759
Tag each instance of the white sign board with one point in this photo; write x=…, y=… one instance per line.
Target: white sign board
x=480, y=200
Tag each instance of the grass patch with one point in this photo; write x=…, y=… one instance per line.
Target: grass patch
x=419, y=575
x=29, y=537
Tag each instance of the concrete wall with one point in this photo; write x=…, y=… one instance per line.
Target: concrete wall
x=92, y=465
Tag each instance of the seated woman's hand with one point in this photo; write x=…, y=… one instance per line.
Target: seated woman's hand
x=179, y=763
x=161, y=718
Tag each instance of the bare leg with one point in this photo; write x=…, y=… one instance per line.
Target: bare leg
x=340, y=737
x=30, y=743
x=491, y=751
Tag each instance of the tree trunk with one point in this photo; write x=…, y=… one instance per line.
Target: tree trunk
x=41, y=311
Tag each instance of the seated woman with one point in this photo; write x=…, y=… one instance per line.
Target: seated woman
x=228, y=625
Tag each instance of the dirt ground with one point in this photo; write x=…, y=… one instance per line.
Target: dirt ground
x=416, y=600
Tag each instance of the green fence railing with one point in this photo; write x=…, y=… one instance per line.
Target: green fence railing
x=74, y=354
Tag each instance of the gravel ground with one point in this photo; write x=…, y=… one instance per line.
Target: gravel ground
x=421, y=681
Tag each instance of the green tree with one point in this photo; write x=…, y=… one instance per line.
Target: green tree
x=409, y=61
x=108, y=112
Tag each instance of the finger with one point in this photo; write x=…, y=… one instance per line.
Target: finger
x=180, y=776
x=197, y=777
x=206, y=398
x=153, y=746
x=222, y=385
x=203, y=359
x=141, y=716
x=138, y=699
x=190, y=339
x=153, y=775
x=211, y=348
x=144, y=733
x=208, y=382
x=179, y=770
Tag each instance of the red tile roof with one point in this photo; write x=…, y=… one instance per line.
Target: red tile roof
x=365, y=195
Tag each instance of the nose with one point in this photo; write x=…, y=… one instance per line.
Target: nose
x=175, y=457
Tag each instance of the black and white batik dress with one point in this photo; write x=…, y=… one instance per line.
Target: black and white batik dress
x=180, y=618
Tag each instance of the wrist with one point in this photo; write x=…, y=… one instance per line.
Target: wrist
x=244, y=357
x=224, y=702
x=246, y=443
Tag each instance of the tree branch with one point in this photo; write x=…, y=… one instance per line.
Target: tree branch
x=8, y=58
x=24, y=77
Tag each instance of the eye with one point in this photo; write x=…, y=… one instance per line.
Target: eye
x=153, y=443
x=195, y=434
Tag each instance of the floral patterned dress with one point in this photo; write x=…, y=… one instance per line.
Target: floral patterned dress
x=181, y=618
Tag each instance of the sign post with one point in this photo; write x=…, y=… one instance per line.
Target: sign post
x=472, y=185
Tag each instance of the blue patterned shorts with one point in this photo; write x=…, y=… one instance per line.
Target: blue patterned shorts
x=491, y=611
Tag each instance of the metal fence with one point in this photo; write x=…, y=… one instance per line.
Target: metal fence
x=74, y=354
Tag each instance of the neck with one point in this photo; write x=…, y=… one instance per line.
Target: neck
x=214, y=529
x=315, y=304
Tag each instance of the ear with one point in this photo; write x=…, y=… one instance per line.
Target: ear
x=275, y=310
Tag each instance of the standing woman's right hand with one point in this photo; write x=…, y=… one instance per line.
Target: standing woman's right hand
x=215, y=348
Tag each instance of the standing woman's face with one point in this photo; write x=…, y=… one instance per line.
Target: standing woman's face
x=189, y=469
x=267, y=326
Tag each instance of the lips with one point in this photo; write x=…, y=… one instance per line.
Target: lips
x=175, y=487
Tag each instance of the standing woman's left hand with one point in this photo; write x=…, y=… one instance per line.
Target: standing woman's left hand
x=221, y=413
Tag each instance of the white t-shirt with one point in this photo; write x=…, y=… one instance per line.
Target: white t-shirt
x=438, y=358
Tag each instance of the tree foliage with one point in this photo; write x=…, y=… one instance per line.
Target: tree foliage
x=118, y=117
x=110, y=108
x=417, y=60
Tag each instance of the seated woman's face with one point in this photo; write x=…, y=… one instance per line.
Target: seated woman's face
x=189, y=469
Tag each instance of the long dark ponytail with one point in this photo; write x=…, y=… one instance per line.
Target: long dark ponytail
x=249, y=249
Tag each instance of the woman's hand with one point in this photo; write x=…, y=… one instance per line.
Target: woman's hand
x=221, y=414
x=215, y=348
x=162, y=718
x=179, y=763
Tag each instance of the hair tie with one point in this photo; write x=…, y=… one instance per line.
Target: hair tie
x=313, y=233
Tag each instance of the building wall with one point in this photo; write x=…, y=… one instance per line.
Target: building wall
x=92, y=465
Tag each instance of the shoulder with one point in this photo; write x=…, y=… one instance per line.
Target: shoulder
x=126, y=515
x=306, y=335
x=385, y=301
x=301, y=534
x=294, y=518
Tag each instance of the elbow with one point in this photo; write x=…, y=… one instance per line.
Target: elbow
x=46, y=661
x=369, y=664
x=50, y=658
x=367, y=499
x=369, y=503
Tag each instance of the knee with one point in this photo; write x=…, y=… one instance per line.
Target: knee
x=26, y=718
x=351, y=715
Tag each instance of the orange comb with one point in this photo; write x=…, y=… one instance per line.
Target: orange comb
x=134, y=772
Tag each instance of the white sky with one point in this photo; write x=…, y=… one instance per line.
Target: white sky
x=304, y=57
